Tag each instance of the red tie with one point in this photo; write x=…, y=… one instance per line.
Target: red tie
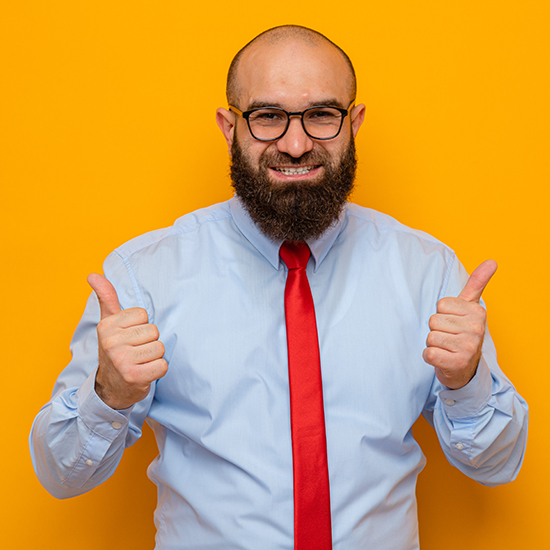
x=312, y=529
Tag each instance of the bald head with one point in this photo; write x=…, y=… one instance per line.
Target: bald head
x=276, y=40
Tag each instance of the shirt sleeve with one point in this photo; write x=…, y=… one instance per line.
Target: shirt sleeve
x=482, y=427
x=76, y=439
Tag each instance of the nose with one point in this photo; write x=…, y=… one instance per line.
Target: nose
x=295, y=142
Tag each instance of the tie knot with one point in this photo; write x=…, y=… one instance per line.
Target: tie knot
x=295, y=254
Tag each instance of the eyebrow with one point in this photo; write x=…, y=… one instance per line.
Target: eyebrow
x=329, y=102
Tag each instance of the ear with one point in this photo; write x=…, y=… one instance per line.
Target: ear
x=357, y=116
x=226, y=122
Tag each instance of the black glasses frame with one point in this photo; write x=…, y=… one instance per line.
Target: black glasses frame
x=246, y=116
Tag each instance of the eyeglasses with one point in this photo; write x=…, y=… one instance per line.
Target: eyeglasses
x=271, y=123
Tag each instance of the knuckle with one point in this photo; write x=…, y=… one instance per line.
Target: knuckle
x=141, y=315
x=445, y=304
x=161, y=368
x=432, y=323
x=161, y=348
x=478, y=329
x=136, y=315
x=154, y=332
x=150, y=332
x=109, y=343
x=479, y=310
x=103, y=326
x=430, y=355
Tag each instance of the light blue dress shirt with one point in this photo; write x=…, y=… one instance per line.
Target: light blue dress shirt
x=214, y=286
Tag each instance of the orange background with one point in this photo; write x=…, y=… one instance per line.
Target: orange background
x=107, y=131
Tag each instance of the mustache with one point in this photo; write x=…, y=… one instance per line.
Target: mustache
x=270, y=158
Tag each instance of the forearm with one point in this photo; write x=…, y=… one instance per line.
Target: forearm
x=482, y=427
x=77, y=441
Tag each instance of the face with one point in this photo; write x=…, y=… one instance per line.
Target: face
x=295, y=187
x=302, y=208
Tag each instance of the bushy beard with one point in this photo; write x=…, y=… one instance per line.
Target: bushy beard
x=294, y=211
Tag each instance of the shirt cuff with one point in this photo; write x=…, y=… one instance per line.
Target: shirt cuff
x=97, y=415
x=472, y=398
x=101, y=426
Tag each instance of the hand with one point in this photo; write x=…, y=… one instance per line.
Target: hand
x=457, y=331
x=130, y=354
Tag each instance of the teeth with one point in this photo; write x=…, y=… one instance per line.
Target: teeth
x=295, y=171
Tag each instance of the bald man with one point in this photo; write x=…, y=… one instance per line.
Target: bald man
x=191, y=329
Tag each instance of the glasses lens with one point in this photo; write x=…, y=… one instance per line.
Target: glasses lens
x=267, y=123
x=322, y=122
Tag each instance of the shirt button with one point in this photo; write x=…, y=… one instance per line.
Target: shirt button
x=459, y=446
x=116, y=425
x=89, y=462
x=449, y=402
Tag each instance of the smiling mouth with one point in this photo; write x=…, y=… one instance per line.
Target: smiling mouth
x=299, y=171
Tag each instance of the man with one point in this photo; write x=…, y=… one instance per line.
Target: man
x=192, y=336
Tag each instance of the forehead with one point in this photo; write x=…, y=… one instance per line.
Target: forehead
x=293, y=75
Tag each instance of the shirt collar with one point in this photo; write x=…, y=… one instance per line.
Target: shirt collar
x=270, y=249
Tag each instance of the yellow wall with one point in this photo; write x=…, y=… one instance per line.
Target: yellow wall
x=107, y=131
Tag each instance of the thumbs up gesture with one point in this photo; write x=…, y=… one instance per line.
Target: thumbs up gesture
x=457, y=331
x=130, y=353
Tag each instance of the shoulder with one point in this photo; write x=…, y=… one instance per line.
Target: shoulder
x=416, y=256
x=373, y=226
x=147, y=265
x=381, y=237
x=210, y=218
x=367, y=218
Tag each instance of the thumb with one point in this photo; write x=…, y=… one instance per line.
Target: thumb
x=106, y=294
x=478, y=281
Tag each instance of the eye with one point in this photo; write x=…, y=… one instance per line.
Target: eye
x=319, y=115
x=268, y=116
x=323, y=116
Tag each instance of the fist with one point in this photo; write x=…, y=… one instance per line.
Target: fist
x=453, y=346
x=130, y=353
